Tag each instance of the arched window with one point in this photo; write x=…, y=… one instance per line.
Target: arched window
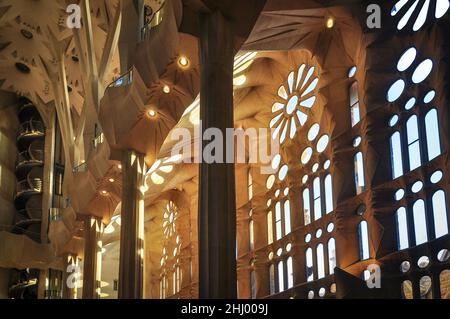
x=354, y=104
x=306, y=207
x=320, y=262
x=287, y=217
x=162, y=287
x=364, y=249
x=440, y=214
x=272, y=279
x=252, y=285
x=309, y=265
x=278, y=221
x=444, y=279
x=396, y=155
x=328, y=194
x=317, y=199
x=420, y=222
x=269, y=228
x=432, y=131
x=280, y=276
x=426, y=291
x=332, y=255
x=412, y=130
x=251, y=235
x=290, y=272
x=359, y=173
x=402, y=229
x=407, y=292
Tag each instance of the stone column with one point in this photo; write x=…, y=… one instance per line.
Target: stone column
x=131, y=269
x=92, y=257
x=217, y=208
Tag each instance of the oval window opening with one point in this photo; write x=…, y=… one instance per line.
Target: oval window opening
x=396, y=90
x=410, y=104
x=405, y=266
x=436, y=177
x=306, y=155
x=406, y=59
x=313, y=132
x=423, y=262
x=399, y=194
x=429, y=96
x=417, y=187
x=322, y=144
x=393, y=120
x=422, y=71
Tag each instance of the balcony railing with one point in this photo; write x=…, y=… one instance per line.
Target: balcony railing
x=153, y=23
x=30, y=185
x=31, y=128
x=25, y=157
x=124, y=80
x=80, y=168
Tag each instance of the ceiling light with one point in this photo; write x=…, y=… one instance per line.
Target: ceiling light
x=330, y=23
x=183, y=62
x=240, y=80
x=166, y=89
x=104, y=193
x=152, y=113
x=112, y=180
x=119, y=166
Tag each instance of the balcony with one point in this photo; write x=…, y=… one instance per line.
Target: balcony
x=155, y=21
x=28, y=131
x=124, y=80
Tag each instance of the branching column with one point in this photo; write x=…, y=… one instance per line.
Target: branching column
x=131, y=271
x=93, y=229
x=217, y=208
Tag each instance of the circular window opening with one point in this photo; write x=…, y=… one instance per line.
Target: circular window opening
x=305, y=179
x=313, y=132
x=322, y=292
x=323, y=143
x=311, y=294
x=417, y=187
x=423, y=262
x=396, y=90
x=270, y=181
x=436, y=177
x=306, y=155
x=308, y=238
x=330, y=227
x=276, y=161
x=405, y=266
x=406, y=59
x=22, y=68
x=393, y=120
x=319, y=233
x=283, y=172
x=352, y=72
x=399, y=194
x=410, y=104
x=443, y=255
x=26, y=34
x=361, y=210
x=315, y=167
x=327, y=164
x=357, y=141
x=279, y=252
x=289, y=247
x=429, y=96
x=422, y=71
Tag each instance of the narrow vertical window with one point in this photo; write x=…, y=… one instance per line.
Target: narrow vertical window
x=396, y=155
x=432, y=130
x=306, y=207
x=269, y=228
x=354, y=104
x=290, y=273
x=272, y=279
x=287, y=217
x=420, y=222
x=174, y=283
x=440, y=214
x=317, y=199
x=332, y=255
x=402, y=229
x=278, y=221
x=250, y=186
x=252, y=285
x=407, y=292
x=320, y=262
x=426, y=291
x=412, y=130
x=364, y=248
x=280, y=276
x=309, y=265
x=251, y=235
x=328, y=194
x=359, y=173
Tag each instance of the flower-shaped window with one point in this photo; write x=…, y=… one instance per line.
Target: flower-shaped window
x=417, y=12
x=170, y=218
x=295, y=98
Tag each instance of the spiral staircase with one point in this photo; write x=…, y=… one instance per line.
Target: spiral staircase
x=29, y=172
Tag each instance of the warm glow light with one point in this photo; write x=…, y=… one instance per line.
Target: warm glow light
x=166, y=89
x=240, y=80
x=112, y=180
x=119, y=166
x=152, y=113
x=183, y=61
x=104, y=193
x=330, y=23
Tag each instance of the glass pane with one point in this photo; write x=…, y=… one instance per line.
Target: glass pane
x=425, y=288
x=420, y=222
x=251, y=235
x=287, y=217
x=414, y=156
x=412, y=129
x=328, y=194
x=444, y=279
x=320, y=262
x=269, y=228
x=407, y=292
x=354, y=94
x=331, y=255
x=440, y=214
x=396, y=156
x=364, y=240
x=432, y=129
x=306, y=207
x=252, y=285
x=317, y=199
x=278, y=221
x=280, y=277
x=272, y=279
x=356, y=114
x=359, y=173
x=402, y=229
x=290, y=273
x=309, y=265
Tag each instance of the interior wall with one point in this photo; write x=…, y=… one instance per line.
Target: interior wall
x=8, y=131
x=4, y=283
